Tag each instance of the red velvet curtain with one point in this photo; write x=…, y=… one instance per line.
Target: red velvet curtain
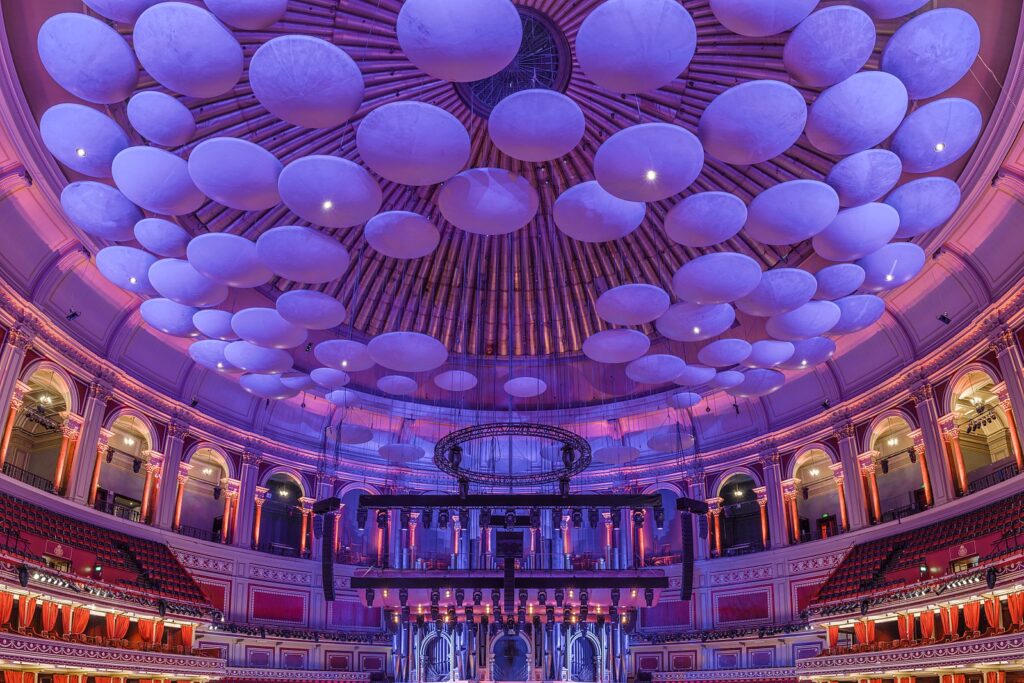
x=19, y=677
x=950, y=620
x=26, y=610
x=158, y=632
x=65, y=618
x=927, y=620
x=1015, y=601
x=6, y=605
x=972, y=615
x=146, y=630
x=871, y=630
x=187, y=632
x=48, y=611
x=903, y=625
x=117, y=626
x=860, y=632
x=79, y=620
x=833, y=635
x=993, y=615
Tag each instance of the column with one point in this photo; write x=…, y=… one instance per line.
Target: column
x=249, y=478
x=80, y=473
x=938, y=464
x=102, y=443
x=70, y=431
x=307, y=513
x=856, y=502
x=181, y=480
x=762, y=505
x=19, y=339
x=837, y=476
x=789, y=487
x=154, y=467
x=869, y=470
x=414, y=519
x=1011, y=365
x=715, y=526
x=951, y=437
x=259, y=498
x=1007, y=405
x=174, y=444
x=777, y=534
x=918, y=436
x=229, y=492
x=17, y=398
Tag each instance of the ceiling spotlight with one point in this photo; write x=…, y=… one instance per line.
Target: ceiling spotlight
x=72, y=315
x=944, y=318
x=220, y=365
x=826, y=404
x=803, y=363
x=888, y=277
x=696, y=330
x=133, y=280
x=651, y=175
x=327, y=205
x=344, y=363
x=814, y=471
x=939, y=146
x=80, y=152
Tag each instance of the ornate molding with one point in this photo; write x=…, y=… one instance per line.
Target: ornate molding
x=205, y=562
x=815, y=563
x=758, y=573
x=303, y=676
x=769, y=674
x=258, y=571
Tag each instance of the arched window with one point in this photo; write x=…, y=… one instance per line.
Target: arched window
x=281, y=519
x=663, y=546
x=740, y=517
x=984, y=432
x=900, y=484
x=122, y=479
x=35, y=443
x=202, y=503
x=355, y=545
x=817, y=495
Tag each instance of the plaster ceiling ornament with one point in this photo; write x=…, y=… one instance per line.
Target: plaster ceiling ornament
x=857, y=312
x=259, y=359
x=681, y=400
x=616, y=346
x=757, y=18
x=932, y=51
x=127, y=267
x=525, y=387
x=169, y=317
x=633, y=47
x=752, y=122
x=156, y=180
x=768, y=353
x=724, y=352
x=791, y=212
x=705, y=219
x=330, y=378
x=456, y=380
x=670, y=439
x=82, y=138
x=228, y=259
x=306, y=81
x=857, y=113
x=311, y=309
x=161, y=118
x=648, y=162
x=407, y=351
x=299, y=381
x=209, y=353
x=401, y=453
x=344, y=354
x=124, y=11
x=657, y=368
x=329, y=191
x=829, y=46
x=587, y=212
x=780, y=290
x=813, y=319
x=633, y=304
x=615, y=455
x=397, y=385
x=179, y=281
x=809, y=353
x=248, y=15
x=716, y=278
x=857, y=232
x=186, y=49
x=924, y=204
x=412, y=143
x=302, y=254
x=459, y=40
x=726, y=379
x=236, y=173
x=266, y=386
x=87, y=58
x=488, y=201
x=937, y=134
x=865, y=176
x=344, y=398
x=100, y=210
x=694, y=375
x=353, y=434
x=891, y=266
x=402, y=234
x=215, y=324
x=888, y=9
x=266, y=327
x=838, y=280
x=162, y=237
x=689, y=322
x=758, y=382
x=536, y=125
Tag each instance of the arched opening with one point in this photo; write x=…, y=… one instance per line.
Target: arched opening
x=663, y=546
x=740, y=516
x=122, y=480
x=33, y=450
x=583, y=660
x=985, y=443
x=900, y=483
x=202, y=501
x=281, y=521
x=354, y=545
x=511, y=659
x=817, y=496
x=436, y=659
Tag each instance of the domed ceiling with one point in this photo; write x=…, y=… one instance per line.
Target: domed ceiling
x=555, y=203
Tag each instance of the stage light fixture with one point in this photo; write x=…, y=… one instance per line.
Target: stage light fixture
x=577, y=517
x=361, y=515
x=594, y=517
x=382, y=519
x=427, y=517
x=442, y=518
x=659, y=517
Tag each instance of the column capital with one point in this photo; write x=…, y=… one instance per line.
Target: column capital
x=72, y=425
x=18, y=395
x=769, y=456
x=154, y=462
x=100, y=389
x=844, y=429
x=762, y=495
x=1000, y=337
x=184, y=469
x=177, y=429
x=948, y=426
x=306, y=504
x=868, y=461
x=260, y=497
x=921, y=391
x=917, y=436
x=251, y=457
x=837, y=472
x=231, y=487
x=21, y=336
x=714, y=505
x=789, y=487
x=103, y=440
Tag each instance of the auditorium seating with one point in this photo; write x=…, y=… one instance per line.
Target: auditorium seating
x=32, y=532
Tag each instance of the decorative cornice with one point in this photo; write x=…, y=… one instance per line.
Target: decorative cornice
x=285, y=675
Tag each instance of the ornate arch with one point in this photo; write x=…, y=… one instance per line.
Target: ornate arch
x=599, y=652
x=43, y=365
x=664, y=486
x=289, y=472
x=725, y=475
x=229, y=463
x=356, y=486
x=127, y=411
x=977, y=366
x=880, y=419
x=804, y=450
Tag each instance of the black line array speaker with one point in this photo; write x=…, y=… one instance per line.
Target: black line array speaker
x=327, y=557
x=687, y=587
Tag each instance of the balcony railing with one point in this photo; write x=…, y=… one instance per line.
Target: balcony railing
x=26, y=477
x=119, y=511
x=994, y=477
x=196, y=532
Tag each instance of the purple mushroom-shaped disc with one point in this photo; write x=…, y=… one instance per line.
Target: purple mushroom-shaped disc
x=752, y=122
x=648, y=162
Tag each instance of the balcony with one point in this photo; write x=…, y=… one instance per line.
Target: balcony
x=26, y=477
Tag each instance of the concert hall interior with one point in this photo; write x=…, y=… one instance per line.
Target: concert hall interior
x=445, y=341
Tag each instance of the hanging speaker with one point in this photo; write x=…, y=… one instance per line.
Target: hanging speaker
x=687, y=588
x=326, y=554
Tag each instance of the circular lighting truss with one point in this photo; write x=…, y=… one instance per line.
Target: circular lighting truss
x=576, y=455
